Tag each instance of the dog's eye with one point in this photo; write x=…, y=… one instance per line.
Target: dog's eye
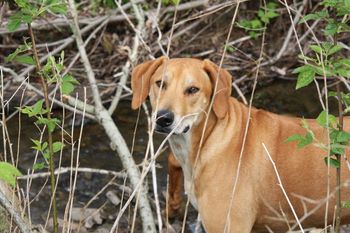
x=160, y=84
x=191, y=90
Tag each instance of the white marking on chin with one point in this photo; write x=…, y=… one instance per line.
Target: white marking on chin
x=181, y=123
x=180, y=145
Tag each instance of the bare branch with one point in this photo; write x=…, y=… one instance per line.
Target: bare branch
x=21, y=223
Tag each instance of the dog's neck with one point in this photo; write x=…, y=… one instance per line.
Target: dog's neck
x=186, y=148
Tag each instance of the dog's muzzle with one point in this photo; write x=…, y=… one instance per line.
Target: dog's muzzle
x=164, y=121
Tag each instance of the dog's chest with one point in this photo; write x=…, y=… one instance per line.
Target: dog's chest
x=180, y=146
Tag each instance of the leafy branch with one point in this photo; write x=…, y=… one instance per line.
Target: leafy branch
x=328, y=62
x=49, y=74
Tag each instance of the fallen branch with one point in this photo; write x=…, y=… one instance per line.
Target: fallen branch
x=21, y=223
x=63, y=170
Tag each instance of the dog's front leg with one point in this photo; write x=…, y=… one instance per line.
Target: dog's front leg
x=175, y=187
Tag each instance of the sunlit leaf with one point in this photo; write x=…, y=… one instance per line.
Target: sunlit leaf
x=322, y=119
x=57, y=146
x=332, y=162
x=9, y=173
x=25, y=60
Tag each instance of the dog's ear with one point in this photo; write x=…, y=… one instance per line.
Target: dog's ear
x=140, y=80
x=223, y=90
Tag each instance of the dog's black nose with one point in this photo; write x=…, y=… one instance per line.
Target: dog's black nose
x=164, y=118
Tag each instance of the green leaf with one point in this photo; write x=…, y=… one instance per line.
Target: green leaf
x=316, y=48
x=332, y=94
x=272, y=14
x=18, y=18
x=39, y=166
x=58, y=9
x=343, y=136
x=9, y=173
x=230, y=48
x=305, y=141
x=343, y=72
x=327, y=45
x=305, y=77
x=38, y=108
x=301, y=69
x=46, y=155
x=25, y=60
x=57, y=146
x=331, y=29
x=345, y=62
x=34, y=110
x=20, y=49
x=37, y=144
x=271, y=5
x=346, y=204
x=51, y=124
x=44, y=146
x=302, y=141
x=295, y=137
x=22, y=3
x=13, y=24
x=256, y=24
x=315, y=16
x=246, y=24
x=337, y=149
x=332, y=162
x=326, y=70
x=322, y=119
x=68, y=84
x=336, y=48
x=254, y=35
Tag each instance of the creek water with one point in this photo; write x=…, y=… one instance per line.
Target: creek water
x=95, y=152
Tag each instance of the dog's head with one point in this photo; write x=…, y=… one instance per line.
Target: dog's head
x=180, y=91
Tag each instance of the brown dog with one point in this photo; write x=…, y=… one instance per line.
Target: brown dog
x=181, y=91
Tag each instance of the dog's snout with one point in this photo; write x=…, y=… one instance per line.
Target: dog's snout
x=164, y=118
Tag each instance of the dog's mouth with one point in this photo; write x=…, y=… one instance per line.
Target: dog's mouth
x=168, y=130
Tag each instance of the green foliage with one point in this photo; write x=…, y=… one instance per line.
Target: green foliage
x=306, y=75
x=9, y=173
x=302, y=140
x=257, y=24
x=68, y=84
x=344, y=97
x=230, y=48
x=326, y=61
x=95, y=5
x=35, y=110
x=29, y=10
x=15, y=56
x=333, y=26
x=333, y=162
x=346, y=204
x=43, y=148
x=50, y=123
x=326, y=120
x=169, y=2
x=52, y=71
